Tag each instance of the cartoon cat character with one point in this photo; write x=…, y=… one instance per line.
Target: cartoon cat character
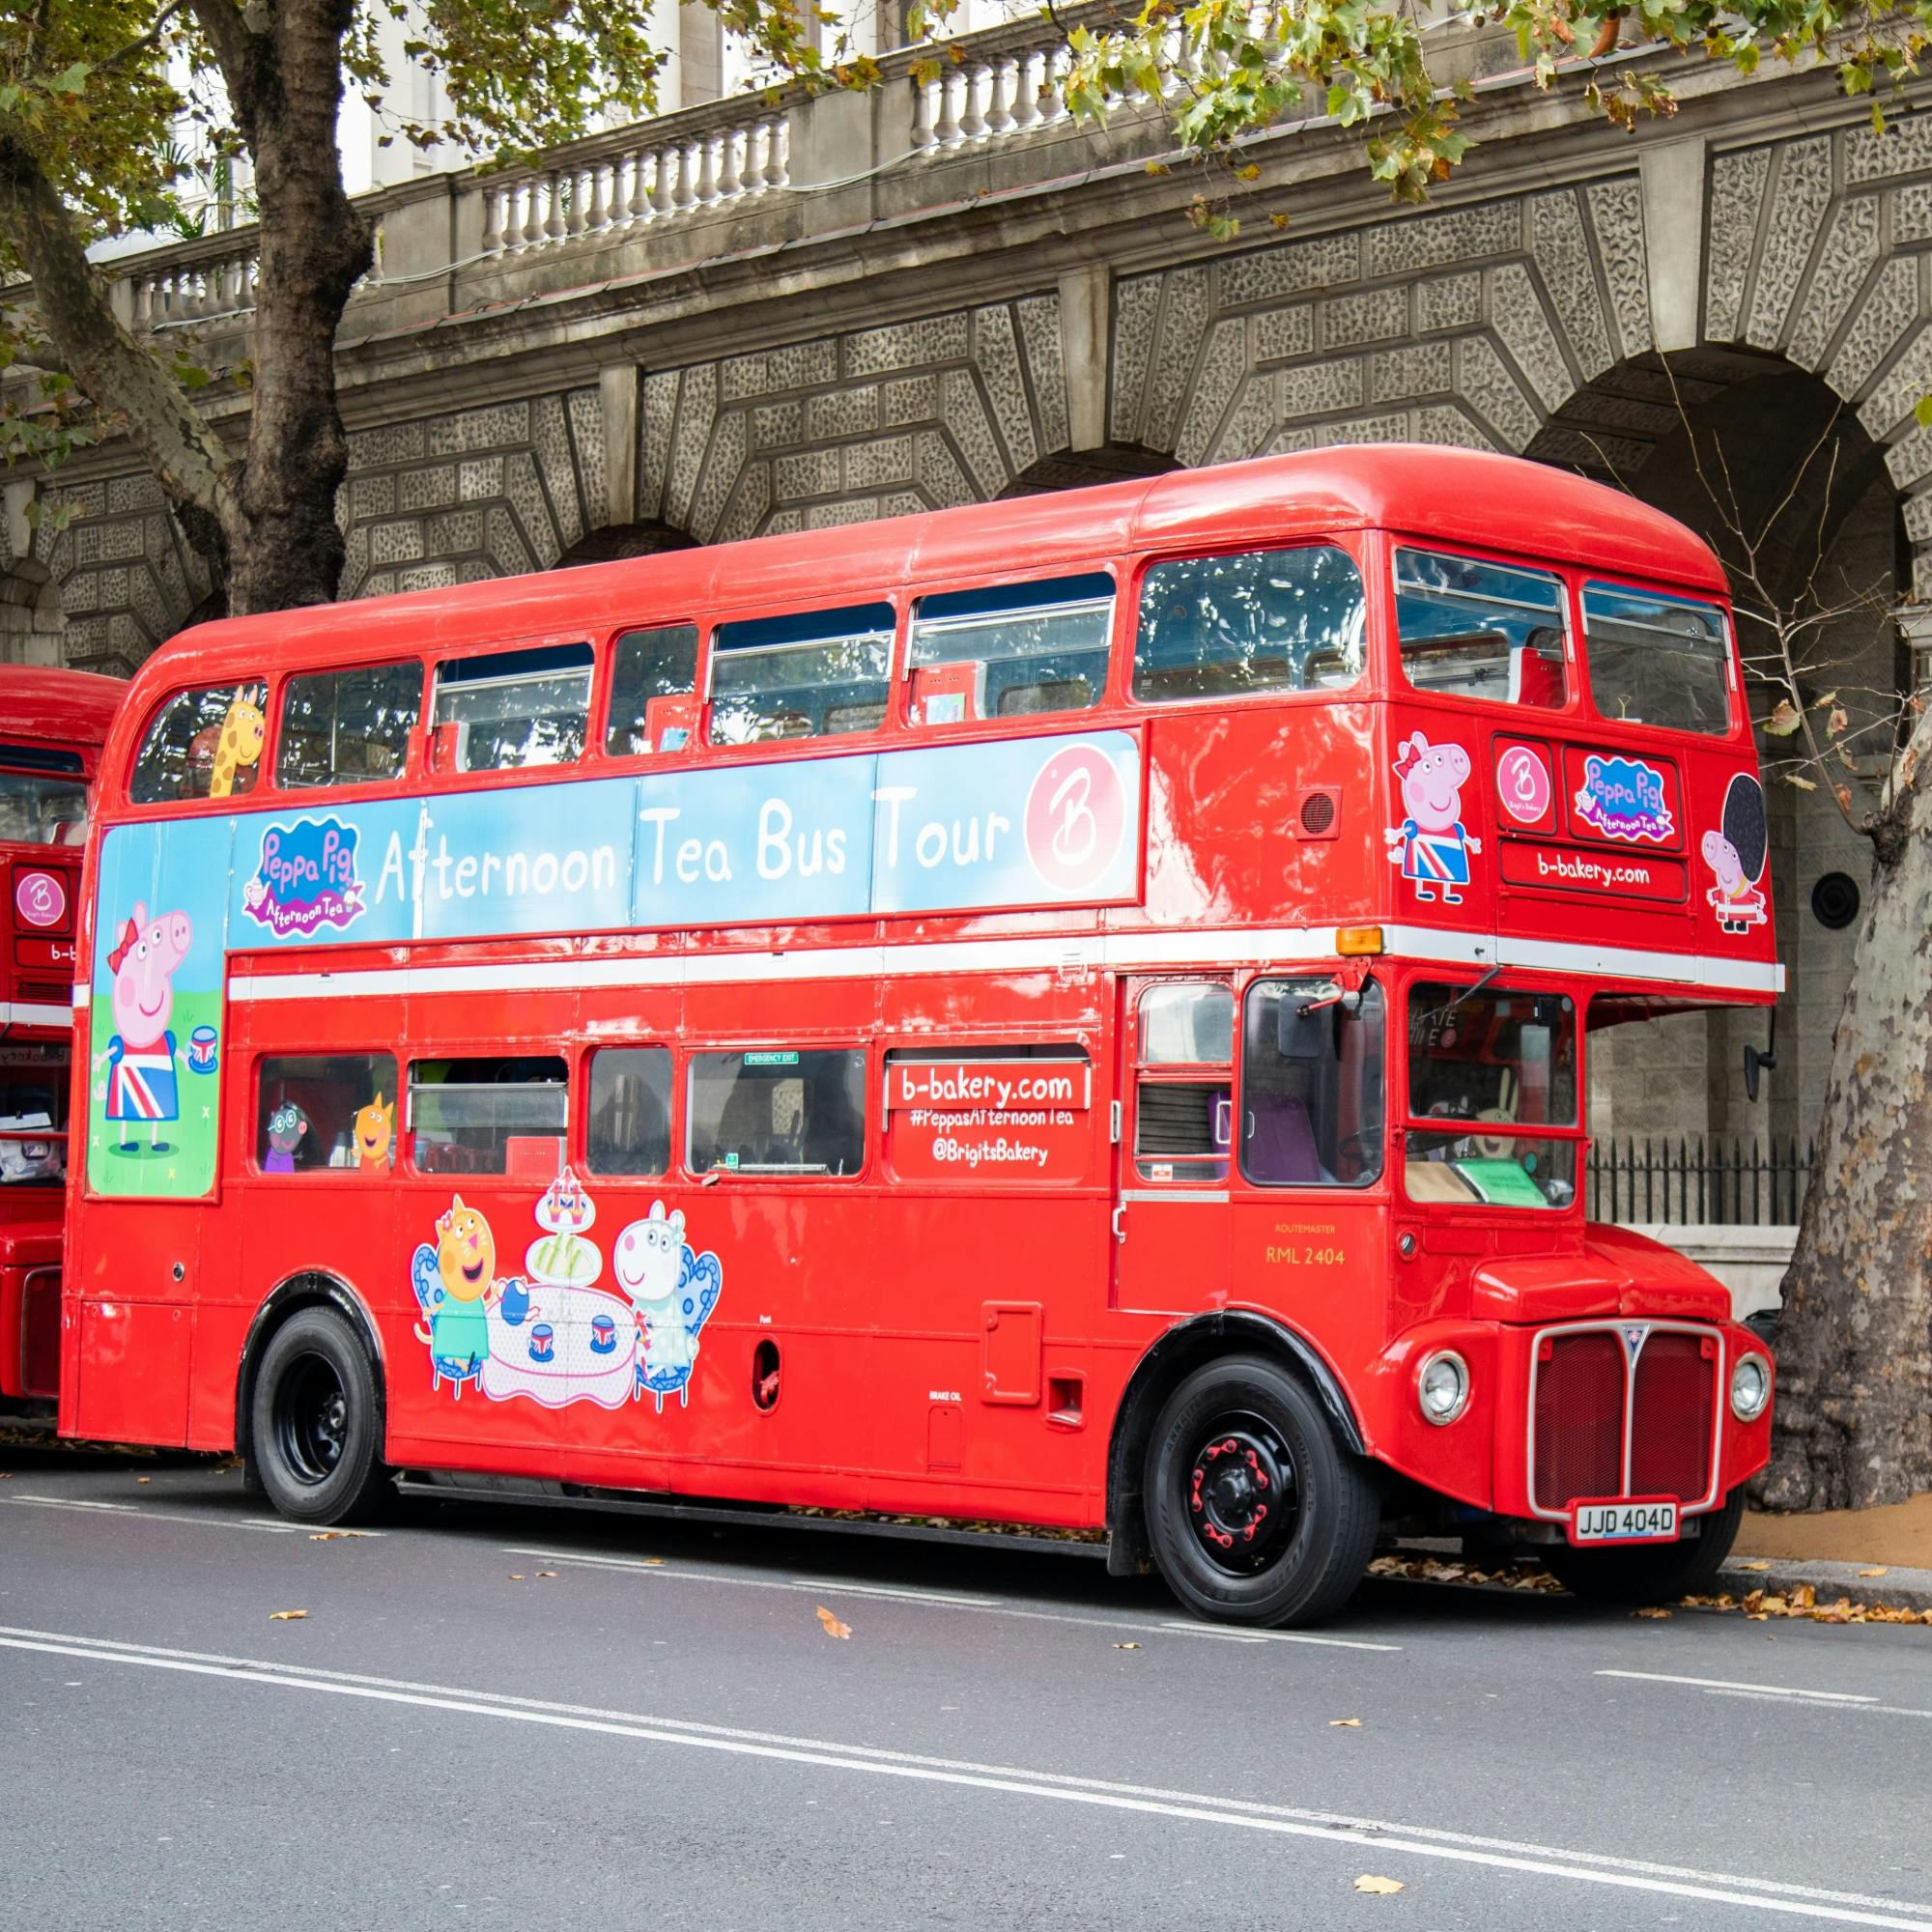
x=672, y=1292
x=374, y=1132
x=455, y=1282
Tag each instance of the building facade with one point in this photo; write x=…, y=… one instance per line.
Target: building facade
x=751, y=315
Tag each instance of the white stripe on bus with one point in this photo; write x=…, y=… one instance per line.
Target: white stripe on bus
x=28, y=1013
x=1248, y=947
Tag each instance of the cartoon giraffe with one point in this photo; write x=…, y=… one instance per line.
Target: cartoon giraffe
x=240, y=745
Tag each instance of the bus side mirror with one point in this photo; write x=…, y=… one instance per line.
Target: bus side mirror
x=1757, y=1058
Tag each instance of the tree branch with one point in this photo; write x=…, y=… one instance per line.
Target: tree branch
x=116, y=374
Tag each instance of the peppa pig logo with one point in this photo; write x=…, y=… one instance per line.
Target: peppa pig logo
x=1076, y=815
x=1624, y=798
x=306, y=879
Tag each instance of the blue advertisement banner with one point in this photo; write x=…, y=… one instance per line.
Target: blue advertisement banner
x=1027, y=823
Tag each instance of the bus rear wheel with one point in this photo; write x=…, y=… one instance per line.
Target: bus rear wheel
x=1656, y=1573
x=314, y=1427
x=1256, y=1513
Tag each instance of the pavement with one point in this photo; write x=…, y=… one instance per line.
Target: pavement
x=503, y=1717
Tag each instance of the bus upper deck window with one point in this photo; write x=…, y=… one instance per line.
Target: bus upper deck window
x=202, y=744
x=1259, y=620
x=1472, y=629
x=488, y=1116
x=650, y=672
x=348, y=726
x=777, y=1111
x=812, y=675
x=630, y=1110
x=1657, y=660
x=1015, y=650
x=511, y=708
x=43, y=796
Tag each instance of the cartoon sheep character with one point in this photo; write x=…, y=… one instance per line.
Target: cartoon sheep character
x=672, y=1292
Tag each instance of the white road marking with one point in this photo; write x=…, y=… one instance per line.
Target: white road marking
x=1388, y=1839
x=939, y=1600
x=1756, y=1690
x=148, y=1515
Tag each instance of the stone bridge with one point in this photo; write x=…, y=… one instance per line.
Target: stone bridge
x=753, y=316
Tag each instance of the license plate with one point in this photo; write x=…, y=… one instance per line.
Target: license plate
x=1640, y=1520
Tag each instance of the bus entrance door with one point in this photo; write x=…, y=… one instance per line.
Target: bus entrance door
x=1172, y=1212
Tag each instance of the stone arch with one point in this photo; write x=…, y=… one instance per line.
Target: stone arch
x=1800, y=470
x=917, y=414
x=616, y=542
x=1076, y=469
x=1816, y=253
x=32, y=619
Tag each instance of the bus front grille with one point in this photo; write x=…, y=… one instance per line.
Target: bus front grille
x=1670, y=1432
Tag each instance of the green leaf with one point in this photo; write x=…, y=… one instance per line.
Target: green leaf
x=1921, y=411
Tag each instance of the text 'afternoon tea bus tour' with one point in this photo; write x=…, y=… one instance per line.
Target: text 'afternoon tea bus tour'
x=1070, y=1011
x=52, y=726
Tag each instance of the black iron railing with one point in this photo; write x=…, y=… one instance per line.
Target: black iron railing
x=1697, y=1180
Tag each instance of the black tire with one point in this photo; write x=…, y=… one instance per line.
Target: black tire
x=1234, y=1435
x=314, y=1422
x=1658, y=1572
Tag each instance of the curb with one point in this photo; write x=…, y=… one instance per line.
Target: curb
x=1897, y=1589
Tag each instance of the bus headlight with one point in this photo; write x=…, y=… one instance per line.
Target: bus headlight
x=1750, y=1387
x=1443, y=1387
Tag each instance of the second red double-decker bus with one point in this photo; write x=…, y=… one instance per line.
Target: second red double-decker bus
x=1073, y=1011
x=52, y=726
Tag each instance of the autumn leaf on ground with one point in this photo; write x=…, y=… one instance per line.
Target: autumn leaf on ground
x=1753, y=1566
x=1126, y=1647
x=516, y=1576
x=332, y=1535
x=1655, y=1610
x=1345, y=1723
x=1878, y=1571
x=546, y=1573
x=286, y=1617
x=144, y=1479
x=1368, y=1882
x=652, y=1562
x=833, y=1627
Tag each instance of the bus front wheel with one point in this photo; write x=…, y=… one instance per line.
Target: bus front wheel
x=314, y=1423
x=1256, y=1513
x=1656, y=1573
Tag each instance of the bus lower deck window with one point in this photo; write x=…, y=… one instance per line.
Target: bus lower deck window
x=1475, y=629
x=777, y=1110
x=630, y=1110
x=42, y=797
x=1311, y=1084
x=488, y=1116
x=511, y=708
x=1184, y=1121
x=813, y=675
x=348, y=726
x=325, y=1111
x=202, y=744
x=1254, y=621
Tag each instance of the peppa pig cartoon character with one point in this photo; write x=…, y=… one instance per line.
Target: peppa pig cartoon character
x=672, y=1292
x=141, y=1077
x=1430, y=844
x=455, y=1284
x=1736, y=899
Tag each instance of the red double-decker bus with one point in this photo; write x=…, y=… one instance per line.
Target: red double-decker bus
x=1073, y=1011
x=52, y=726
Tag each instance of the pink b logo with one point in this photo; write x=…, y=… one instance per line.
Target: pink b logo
x=40, y=898
x=1523, y=783
x=1076, y=815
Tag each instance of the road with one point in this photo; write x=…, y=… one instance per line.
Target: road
x=503, y=1717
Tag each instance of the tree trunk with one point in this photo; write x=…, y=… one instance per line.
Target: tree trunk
x=284, y=74
x=1854, y=1421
